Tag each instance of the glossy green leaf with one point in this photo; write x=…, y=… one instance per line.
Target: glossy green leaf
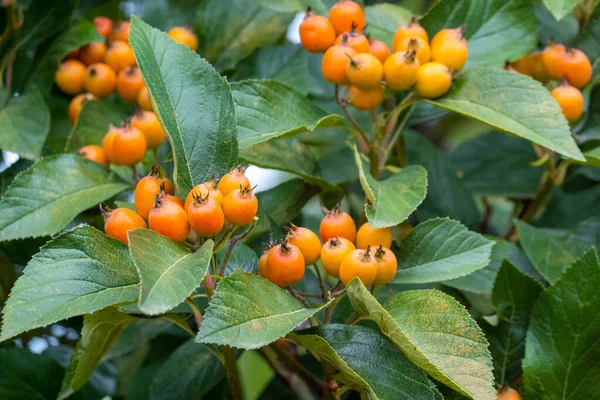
x=267, y=109
x=441, y=249
x=436, y=333
x=447, y=195
x=99, y=332
x=496, y=30
x=512, y=103
x=189, y=373
x=193, y=103
x=552, y=250
x=168, y=271
x=9, y=174
x=391, y=201
x=384, y=19
x=319, y=6
x=40, y=201
x=495, y=164
x=24, y=122
x=248, y=312
x=560, y=8
x=588, y=40
x=513, y=297
x=367, y=361
x=242, y=257
x=78, y=272
x=561, y=349
x=230, y=36
x=93, y=123
x=560, y=211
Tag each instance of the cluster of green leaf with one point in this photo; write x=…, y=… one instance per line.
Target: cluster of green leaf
x=497, y=283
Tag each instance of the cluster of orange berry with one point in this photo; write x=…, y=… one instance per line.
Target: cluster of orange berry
x=353, y=58
x=371, y=260
x=568, y=65
x=208, y=206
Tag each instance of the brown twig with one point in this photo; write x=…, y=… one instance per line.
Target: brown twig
x=235, y=240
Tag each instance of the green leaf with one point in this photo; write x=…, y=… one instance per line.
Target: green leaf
x=296, y=5
x=447, y=196
x=228, y=36
x=560, y=8
x=513, y=297
x=384, y=19
x=391, y=201
x=40, y=201
x=25, y=122
x=512, y=103
x=267, y=109
x=9, y=174
x=561, y=212
x=248, y=312
x=552, y=250
x=436, y=333
x=93, y=123
x=441, y=249
x=495, y=164
x=588, y=40
x=193, y=103
x=496, y=30
x=78, y=272
x=561, y=349
x=242, y=257
x=24, y=375
x=168, y=271
x=367, y=361
x=189, y=373
x=100, y=330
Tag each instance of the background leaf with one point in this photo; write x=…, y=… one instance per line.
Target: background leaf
x=560, y=8
x=41, y=201
x=384, y=19
x=78, y=272
x=193, y=103
x=588, y=40
x=242, y=257
x=93, y=123
x=560, y=211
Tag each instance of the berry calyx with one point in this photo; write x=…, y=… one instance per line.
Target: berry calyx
x=169, y=220
x=100, y=80
x=400, y=70
x=333, y=253
x=411, y=30
x=386, y=264
x=355, y=40
x=359, y=264
x=205, y=216
x=147, y=189
x=240, y=206
x=337, y=223
x=285, y=265
x=207, y=188
x=233, y=180
x=364, y=71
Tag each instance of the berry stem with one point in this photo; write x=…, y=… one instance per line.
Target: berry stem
x=235, y=240
x=233, y=375
x=361, y=136
x=321, y=284
x=298, y=297
x=197, y=314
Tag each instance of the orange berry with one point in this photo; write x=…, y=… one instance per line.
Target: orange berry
x=77, y=103
x=332, y=254
x=119, y=56
x=386, y=264
x=552, y=56
x=70, y=76
x=240, y=206
x=316, y=32
x=411, y=30
x=379, y=50
x=184, y=36
x=306, y=240
x=335, y=63
x=206, y=216
x=346, y=14
x=355, y=40
x=570, y=100
x=575, y=66
x=129, y=84
x=104, y=26
x=207, y=188
x=100, y=80
x=364, y=71
x=507, y=393
x=423, y=51
x=150, y=126
x=121, y=32
x=169, y=220
x=433, y=80
x=400, y=70
x=365, y=99
x=449, y=33
x=285, y=265
x=146, y=190
x=358, y=263
x=369, y=236
x=124, y=146
x=532, y=65
x=337, y=223
x=169, y=198
x=119, y=221
x=451, y=52
x=143, y=99
x=94, y=153
x=234, y=179
x=262, y=264
x=92, y=53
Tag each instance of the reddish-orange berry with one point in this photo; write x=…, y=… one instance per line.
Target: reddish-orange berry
x=119, y=56
x=119, y=221
x=359, y=263
x=94, y=153
x=129, y=84
x=206, y=216
x=400, y=70
x=355, y=40
x=433, y=80
x=333, y=253
x=240, y=206
x=411, y=30
x=532, y=65
x=450, y=51
x=316, y=32
x=306, y=240
x=92, y=53
x=285, y=265
x=346, y=14
x=262, y=264
x=449, y=33
x=169, y=198
x=169, y=220
x=104, y=26
x=184, y=36
x=570, y=100
x=146, y=190
x=575, y=66
x=208, y=188
x=379, y=50
x=337, y=223
x=369, y=236
x=335, y=63
x=386, y=264
x=234, y=179
x=70, y=76
x=364, y=71
x=143, y=99
x=507, y=393
x=77, y=103
x=121, y=32
x=149, y=125
x=423, y=51
x=124, y=146
x=100, y=80
x=365, y=99
x=552, y=56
